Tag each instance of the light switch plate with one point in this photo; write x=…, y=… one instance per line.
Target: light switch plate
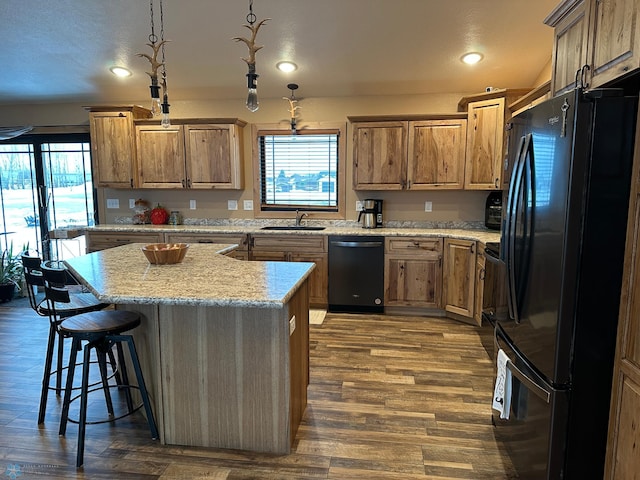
x=358, y=205
x=192, y=204
x=428, y=206
x=248, y=204
x=292, y=325
x=232, y=204
x=132, y=203
x=113, y=203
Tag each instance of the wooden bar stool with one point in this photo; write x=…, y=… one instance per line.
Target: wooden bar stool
x=99, y=331
x=35, y=275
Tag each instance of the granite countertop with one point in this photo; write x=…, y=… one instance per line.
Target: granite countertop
x=205, y=277
x=482, y=235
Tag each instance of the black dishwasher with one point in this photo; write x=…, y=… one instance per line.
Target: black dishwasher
x=356, y=273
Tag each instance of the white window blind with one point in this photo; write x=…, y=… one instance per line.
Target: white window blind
x=299, y=171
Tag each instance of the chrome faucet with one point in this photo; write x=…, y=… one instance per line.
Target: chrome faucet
x=300, y=216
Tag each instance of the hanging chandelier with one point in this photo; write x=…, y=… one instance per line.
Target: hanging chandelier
x=157, y=47
x=252, y=76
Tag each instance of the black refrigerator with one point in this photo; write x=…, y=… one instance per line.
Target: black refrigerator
x=563, y=241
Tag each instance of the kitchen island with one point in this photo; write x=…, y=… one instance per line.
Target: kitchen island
x=224, y=344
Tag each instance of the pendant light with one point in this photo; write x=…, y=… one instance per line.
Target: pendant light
x=252, y=76
x=158, y=107
x=293, y=107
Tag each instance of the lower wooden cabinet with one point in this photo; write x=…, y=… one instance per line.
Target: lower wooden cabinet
x=297, y=248
x=459, y=276
x=102, y=240
x=241, y=239
x=413, y=272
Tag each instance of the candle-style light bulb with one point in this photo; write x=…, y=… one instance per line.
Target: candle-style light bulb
x=165, y=122
x=156, y=106
x=252, y=84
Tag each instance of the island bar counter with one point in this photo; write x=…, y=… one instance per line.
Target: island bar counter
x=224, y=343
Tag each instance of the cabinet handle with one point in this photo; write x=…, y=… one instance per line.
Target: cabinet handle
x=189, y=182
x=496, y=182
x=472, y=248
x=483, y=273
x=131, y=182
x=183, y=183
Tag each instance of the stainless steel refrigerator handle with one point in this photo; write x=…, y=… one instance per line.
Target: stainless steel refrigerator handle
x=527, y=382
x=356, y=244
x=514, y=193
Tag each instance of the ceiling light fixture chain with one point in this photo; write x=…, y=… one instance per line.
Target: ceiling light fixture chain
x=156, y=106
x=252, y=76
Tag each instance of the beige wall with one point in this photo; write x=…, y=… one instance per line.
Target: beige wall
x=447, y=206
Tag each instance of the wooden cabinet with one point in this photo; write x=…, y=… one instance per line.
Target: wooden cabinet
x=190, y=155
x=436, y=157
x=102, y=240
x=459, y=277
x=297, y=248
x=614, y=46
x=241, y=239
x=380, y=155
x=569, y=45
x=480, y=286
x=485, y=138
x=603, y=36
x=401, y=154
x=113, y=144
x=623, y=448
x=413, y=272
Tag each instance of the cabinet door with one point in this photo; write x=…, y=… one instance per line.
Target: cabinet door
x=380, y=155
x=485, y=135
x=413, y=282
x=213, y=156
x=480, y=286
x=569, y=49
x=436, y=154
x=160, y=156
x=113, y=149
x=319, y=278
x=615, y=43
x=459, y=276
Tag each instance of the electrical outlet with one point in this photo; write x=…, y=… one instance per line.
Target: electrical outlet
x=358, y=205
x=192, y=204
x=232, y=204
x=428, y=206
x=113, y=203
x=248, y=204
x=132, y=203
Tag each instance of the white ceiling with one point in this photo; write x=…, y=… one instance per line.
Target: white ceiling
x=60, y=51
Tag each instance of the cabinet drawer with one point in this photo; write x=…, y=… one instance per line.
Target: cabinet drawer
x=100, y=241
x=240, y=239
x=298, y=243
x=413, y=245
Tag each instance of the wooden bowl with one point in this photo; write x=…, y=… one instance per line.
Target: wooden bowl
x=165, y=253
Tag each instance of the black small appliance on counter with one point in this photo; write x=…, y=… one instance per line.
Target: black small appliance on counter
x=493, y=211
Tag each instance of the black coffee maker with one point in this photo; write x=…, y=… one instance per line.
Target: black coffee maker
x=371, y=213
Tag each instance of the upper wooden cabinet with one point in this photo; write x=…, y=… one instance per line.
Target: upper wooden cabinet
x=485, y=138
x=599, y=38
x=190, y=155
x=380, y=155
x=409, y=154
x=113, y=147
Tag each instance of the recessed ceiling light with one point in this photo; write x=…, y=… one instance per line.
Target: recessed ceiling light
x=120, y=71
x=286, y=67
x=471, y=58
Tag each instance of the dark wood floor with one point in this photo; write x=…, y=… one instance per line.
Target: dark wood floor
x=390, y=398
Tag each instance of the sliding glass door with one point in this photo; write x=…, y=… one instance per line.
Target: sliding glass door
x=45, y=184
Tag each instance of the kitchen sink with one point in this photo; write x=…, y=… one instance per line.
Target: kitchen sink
x=292, y=227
